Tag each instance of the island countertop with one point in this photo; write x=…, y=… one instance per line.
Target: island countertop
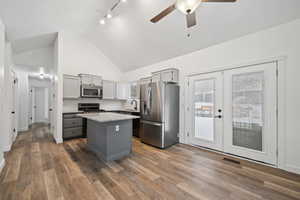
x=107, y=117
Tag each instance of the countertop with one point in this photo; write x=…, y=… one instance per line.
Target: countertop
x=107, y=117
x=75, y=111
x=72, y=111
x=124, y=110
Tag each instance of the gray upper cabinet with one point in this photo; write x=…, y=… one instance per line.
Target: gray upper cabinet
x=145, y=80
x=71, y=87
x=167, y=75
x=134, y=90
x=109, y=89
x=123, y=90
x=156, y=77
x=88, y=79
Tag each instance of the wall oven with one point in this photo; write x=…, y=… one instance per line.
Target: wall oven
x=91, y=91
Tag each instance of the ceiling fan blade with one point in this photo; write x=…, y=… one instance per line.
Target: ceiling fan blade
x=220, y=1
x=163, y=13
x=191, y=20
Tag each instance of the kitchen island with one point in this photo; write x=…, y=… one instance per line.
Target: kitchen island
x=109, y=134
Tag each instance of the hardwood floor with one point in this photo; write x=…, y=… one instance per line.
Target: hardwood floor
x=39, y=169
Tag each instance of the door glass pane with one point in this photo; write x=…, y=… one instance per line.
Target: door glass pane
x=204, y=109
x=248, y=103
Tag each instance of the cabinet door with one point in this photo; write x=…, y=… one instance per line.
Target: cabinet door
x=156, y=77
x=170, y=76
x=71, y=86
x=109, y=89
x=97, y=80
x=86, y=80
x=134, y=90
x=145, y=81
x=123, y=91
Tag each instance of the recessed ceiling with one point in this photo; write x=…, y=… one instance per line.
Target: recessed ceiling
x=129, y=39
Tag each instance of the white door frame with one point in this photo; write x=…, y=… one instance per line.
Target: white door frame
x=269, y=142
x=281, y=102
x=14, y=104
x=217, y=144
x=45, y=111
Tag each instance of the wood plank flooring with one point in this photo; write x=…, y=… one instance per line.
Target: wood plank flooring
x=39, y=169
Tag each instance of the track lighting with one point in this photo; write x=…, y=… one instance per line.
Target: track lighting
x=102, y=21
x=109, y=13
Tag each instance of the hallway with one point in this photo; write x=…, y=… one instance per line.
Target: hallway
x=39, y=169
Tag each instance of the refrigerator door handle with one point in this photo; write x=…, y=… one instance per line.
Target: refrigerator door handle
x=149, y=99
x=151, y=123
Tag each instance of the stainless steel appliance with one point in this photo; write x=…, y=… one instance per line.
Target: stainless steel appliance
x=159, y=114
x=89, y=107
x=74, y=126
x=91, y=91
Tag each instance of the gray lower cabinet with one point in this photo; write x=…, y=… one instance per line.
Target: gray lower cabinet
x=72, y=126
x=110, y=140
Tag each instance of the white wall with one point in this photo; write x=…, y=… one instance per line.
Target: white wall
x=6, y=128
x=77, y=55
x=35, y=58
x=57, y=83
x=23, y=93
x=282, y=40
x=2, y=117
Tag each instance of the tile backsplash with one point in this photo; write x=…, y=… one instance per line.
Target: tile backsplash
x=72, y=104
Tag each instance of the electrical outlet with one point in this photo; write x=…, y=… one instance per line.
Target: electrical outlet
x=117, y=128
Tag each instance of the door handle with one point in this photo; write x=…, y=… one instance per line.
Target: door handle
x=218, y=116
x=13, y=112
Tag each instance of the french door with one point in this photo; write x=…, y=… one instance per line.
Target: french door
x=235, y=111
x=206, y=106
x=250, y=124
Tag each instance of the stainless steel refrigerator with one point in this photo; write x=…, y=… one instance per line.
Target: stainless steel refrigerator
x=159, y=114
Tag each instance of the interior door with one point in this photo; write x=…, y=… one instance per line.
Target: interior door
x=250, y=118
x=205, y=106
x=39, y=104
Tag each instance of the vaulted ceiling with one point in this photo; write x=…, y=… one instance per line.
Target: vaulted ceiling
x=129, y=39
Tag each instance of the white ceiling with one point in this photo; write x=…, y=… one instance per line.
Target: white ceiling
x=37, y=42
x=129, y=39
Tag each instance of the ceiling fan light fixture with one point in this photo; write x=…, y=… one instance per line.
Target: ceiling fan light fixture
x=187, y=6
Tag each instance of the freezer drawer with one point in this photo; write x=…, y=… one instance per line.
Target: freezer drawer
x=152, y=133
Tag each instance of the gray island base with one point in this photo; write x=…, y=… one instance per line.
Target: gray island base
x=109, y=134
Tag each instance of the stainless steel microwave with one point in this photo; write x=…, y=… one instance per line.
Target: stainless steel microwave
x=91, y=91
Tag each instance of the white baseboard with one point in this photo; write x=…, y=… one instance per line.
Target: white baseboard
x=6, y=148
x=58, y=140
x=23, y=129
x=2, y=163
x=292, y=168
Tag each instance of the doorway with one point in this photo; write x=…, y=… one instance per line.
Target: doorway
x=235, y=111
x=13, y=106
x=40, y=105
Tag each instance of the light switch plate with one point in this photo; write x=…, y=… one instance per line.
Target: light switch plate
x=117, y=128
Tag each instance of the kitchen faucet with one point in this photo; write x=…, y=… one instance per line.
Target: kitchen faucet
x=135, y=103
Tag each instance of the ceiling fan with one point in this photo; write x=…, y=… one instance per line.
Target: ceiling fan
x=188, y=8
